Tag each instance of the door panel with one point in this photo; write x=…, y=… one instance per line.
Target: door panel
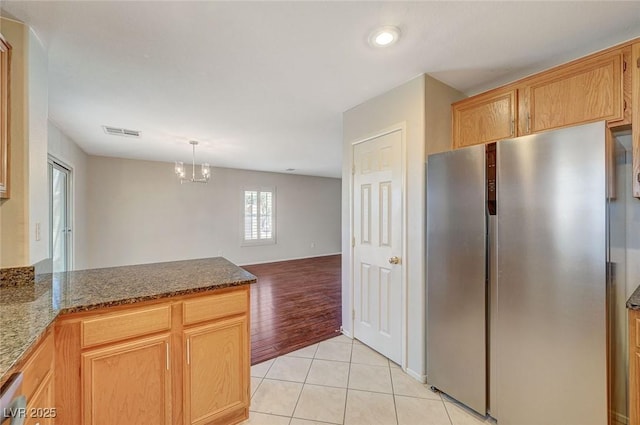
x=456, y=270
x=552, y=278
x=60, y=219
x=215, y=370
x=128, y=383
x=377, y=228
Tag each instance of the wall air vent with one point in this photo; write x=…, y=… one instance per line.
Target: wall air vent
x=115, y=131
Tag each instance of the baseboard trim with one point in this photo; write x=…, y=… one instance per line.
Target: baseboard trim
x=346, y=333
x=289, y=259
x=417, y=376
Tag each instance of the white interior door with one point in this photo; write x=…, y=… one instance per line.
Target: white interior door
x=377, y=244
x=60, y=216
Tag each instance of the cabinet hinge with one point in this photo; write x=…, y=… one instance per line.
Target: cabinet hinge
x=353, y=314
x=638, y=63
x=624, y=66
x=353, y=170
x=353, y=241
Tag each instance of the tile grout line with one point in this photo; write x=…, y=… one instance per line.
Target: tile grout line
x=303, y=384
x=346, y=395
x=446, y=410
x=393, y=392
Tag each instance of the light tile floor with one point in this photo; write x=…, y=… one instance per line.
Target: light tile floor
x=342, y=381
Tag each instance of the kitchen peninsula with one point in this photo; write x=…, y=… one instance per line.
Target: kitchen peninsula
x=165, y=342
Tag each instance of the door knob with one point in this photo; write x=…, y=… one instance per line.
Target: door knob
x=394, y=260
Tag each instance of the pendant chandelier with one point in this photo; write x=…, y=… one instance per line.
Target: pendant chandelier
x=205, y=169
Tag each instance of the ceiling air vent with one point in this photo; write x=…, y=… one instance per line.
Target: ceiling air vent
x=115, y=131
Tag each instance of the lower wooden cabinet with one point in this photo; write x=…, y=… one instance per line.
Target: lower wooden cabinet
x=216, y=372
x=38, y=383
x=41, y=407
x=182, y=361
x=127, y=383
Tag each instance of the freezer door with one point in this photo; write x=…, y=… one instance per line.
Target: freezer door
x=456, y=285
x=551, y=278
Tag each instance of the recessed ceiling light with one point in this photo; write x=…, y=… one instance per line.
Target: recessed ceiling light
x=384, y=37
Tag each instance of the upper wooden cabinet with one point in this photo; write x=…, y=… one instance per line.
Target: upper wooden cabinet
x=594, y=88
x=484, y=118
x=5, y=56
x=590, y=90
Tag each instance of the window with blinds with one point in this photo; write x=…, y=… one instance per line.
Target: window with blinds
x=259, y=216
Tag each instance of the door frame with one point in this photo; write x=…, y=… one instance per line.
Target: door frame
x=52, y=161
x=402, y=127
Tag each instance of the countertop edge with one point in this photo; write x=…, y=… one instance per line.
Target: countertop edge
x=27, y=351
x=178, y=293
x=633, y=303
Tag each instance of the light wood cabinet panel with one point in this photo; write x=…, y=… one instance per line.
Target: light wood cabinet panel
x=38, y=366
x=128, y=383
x=634, y=367
x=41, y=408
x=591, y=90
x=38, y=384
x=635, y=108
x=215, y=306
x=217, y=372
x=126, y=324
x=484, y=118
x=5, y=62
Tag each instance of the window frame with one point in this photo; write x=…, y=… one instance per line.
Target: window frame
x=260, y=241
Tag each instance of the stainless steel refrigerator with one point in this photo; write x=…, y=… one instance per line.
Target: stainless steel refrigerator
x=517, y=246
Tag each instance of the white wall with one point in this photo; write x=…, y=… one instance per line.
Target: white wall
x=38, y=111
x=28, y=204
x=138, y=212
x=68, y=152
x=423, y=105
x=14, y=224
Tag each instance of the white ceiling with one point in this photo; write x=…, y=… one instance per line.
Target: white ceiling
x=262, y=85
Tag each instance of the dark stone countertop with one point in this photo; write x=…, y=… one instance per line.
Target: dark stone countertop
x=633, y=302
x=27, y=311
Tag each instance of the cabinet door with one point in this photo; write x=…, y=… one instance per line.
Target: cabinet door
x=484, y=118
x=590, y=90
x=217, y=372
x=41, y=408
x=127, y=383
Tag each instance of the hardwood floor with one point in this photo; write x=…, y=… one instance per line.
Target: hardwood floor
x=294, y=304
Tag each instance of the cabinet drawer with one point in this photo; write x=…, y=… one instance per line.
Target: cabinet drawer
x=215, y=306
x=125, y=324
x=40, y=363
